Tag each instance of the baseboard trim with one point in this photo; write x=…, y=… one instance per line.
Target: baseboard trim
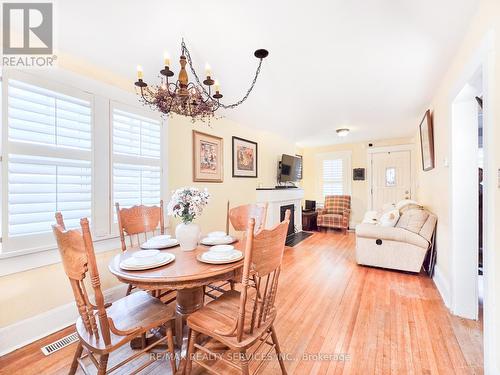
x=442, y=285
x=26, y=331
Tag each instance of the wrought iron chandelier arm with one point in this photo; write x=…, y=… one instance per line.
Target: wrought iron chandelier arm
x=144, y=97
x=257, y=72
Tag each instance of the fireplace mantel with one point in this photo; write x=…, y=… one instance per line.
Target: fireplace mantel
x=281, y=197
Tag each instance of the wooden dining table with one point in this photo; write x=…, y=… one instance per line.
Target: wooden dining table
x=186, y=275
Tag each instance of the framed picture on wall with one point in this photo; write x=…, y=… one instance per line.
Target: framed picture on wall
x=208, y=158
x=245, y=158
x=427, y=141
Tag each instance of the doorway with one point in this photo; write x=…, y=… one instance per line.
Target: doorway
x=465, y=164
x=390, y=176
x=471, y=128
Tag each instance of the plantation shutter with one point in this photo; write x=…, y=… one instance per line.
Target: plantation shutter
x=333, y=177
x=49, y=158
x=136, y=159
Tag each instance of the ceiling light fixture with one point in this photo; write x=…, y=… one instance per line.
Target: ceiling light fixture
x=186, y=98
x=342, y=132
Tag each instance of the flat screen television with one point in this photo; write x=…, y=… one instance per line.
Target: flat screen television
x=291, y=168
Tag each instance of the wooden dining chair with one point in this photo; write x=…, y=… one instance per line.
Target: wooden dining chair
x=243, y=321
x=138, y=223
x=103, y=328
x=238, y=218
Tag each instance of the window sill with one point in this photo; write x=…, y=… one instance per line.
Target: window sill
x=24, y=260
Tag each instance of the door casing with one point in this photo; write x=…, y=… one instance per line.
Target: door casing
x=375, y=150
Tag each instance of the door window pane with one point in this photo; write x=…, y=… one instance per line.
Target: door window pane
x=390, y=176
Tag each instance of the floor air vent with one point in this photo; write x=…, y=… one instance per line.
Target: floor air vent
x=59, y=344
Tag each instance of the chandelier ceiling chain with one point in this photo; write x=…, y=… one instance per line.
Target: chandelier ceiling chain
x=186, y=98
x=230, y=106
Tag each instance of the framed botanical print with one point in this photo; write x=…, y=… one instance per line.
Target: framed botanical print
x=427, y=141
x=208, y=158
x=244, y=158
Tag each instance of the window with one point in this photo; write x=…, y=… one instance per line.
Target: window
x=67, y=149
x=333, y=178
x=333, y=170
x=49, y=155
x=390, y=176
x=136, y=159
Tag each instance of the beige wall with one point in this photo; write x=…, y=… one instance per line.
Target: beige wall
x=236, y=190
x=359, y=194
x=434, y=185
x=32, y=292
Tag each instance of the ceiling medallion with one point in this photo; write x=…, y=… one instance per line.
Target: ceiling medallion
x=192, y=99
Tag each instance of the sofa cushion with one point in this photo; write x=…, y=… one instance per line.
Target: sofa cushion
x=393, y=234
x=413, y=219
x=428, y=229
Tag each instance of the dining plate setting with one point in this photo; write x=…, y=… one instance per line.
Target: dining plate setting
x=220, y=254
x=160, y=242
x=217, y=238
x=146, y=259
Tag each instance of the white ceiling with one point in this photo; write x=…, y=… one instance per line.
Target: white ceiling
x=370, y=65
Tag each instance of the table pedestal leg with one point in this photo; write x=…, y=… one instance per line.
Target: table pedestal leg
x=187, y=302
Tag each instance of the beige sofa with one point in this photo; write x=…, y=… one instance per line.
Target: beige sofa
x=402, y=247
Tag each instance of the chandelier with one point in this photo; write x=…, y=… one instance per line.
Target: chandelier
x=198, y=100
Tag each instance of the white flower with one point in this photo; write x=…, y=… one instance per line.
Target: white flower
x=188, y=203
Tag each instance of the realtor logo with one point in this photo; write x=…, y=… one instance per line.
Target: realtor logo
x=27, y=29
x=28, y=35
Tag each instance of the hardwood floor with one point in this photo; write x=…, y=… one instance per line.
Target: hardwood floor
x=360, y=320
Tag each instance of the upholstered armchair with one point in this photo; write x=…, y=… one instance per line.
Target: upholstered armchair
x=336, y=212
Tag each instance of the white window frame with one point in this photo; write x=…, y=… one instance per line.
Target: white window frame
x=24, y=243
x=346, y=172
x=132, y=159
x=104, y=96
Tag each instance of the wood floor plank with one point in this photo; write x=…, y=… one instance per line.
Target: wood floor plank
x=386, y=322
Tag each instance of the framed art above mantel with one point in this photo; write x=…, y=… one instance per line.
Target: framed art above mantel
x=245, y=158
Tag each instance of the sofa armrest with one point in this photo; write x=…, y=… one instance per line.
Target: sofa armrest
x=391, y=234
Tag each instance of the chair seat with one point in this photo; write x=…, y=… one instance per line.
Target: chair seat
x=137, y=310
x=221, y=315
x=329, y=219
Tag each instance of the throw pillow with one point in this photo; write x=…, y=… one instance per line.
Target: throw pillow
x=389, y=218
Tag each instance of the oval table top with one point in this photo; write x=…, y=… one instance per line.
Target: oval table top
x=184, y=272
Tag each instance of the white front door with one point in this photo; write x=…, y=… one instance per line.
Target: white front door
x=391, y=178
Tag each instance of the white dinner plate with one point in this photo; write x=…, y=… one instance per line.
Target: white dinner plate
x=159, y=244
x=217, y=234
x=211, y=259
x=136, y=264
x=210, y=241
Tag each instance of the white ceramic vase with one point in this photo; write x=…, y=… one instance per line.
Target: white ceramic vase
x=187, y=235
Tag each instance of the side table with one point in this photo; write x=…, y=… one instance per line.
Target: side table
x=309, y=220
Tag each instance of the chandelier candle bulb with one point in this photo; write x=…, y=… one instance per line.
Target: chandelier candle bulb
x=193, y=99
x=166, y=59
x=140, y=73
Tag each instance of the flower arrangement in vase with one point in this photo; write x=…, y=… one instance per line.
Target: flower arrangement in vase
x=188, y=203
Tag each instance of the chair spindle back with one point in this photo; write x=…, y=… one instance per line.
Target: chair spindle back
x=78, y=259
x=263, y=255
x=139, y=220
